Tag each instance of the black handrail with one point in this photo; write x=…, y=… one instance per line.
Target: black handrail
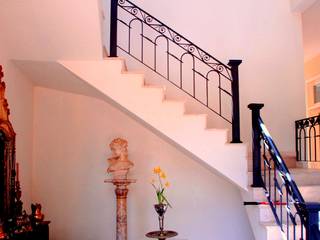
x=299, y=220
x=226, y=74
x=308, y=139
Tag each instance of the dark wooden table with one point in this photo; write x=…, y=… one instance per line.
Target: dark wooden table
x=39, y=232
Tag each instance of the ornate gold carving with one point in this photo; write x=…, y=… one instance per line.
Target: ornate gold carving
x=5, y=124
x=8, y=136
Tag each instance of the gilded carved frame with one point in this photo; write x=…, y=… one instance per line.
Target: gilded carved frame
x=8, y=166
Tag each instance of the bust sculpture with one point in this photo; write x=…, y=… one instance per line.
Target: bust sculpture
x=119, y=164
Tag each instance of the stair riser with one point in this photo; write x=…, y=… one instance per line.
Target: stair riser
x=266, y=214
x=302, y=179
x=274, y=233
x=309, y=193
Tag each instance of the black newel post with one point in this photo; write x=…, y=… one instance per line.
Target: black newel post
x=312, y=224
x=256, y=146
x=113, y=28
x=234, y=64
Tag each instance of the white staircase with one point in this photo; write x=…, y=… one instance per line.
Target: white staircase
x=261, y=217
x=166, y=117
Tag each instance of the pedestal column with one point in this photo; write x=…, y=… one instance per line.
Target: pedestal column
x=121, y=192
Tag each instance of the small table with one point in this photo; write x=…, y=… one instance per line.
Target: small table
x=161, y=235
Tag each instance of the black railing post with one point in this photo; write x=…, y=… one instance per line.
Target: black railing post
x=312, y=224
x=297, y=144
x=234, y=64
x=113, y=28
x=256, y=146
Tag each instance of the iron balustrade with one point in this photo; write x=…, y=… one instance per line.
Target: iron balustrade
x=308, y=139
x=296, y=218
x=178, y=49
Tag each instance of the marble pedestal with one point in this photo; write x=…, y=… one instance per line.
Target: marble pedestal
x=121, y=193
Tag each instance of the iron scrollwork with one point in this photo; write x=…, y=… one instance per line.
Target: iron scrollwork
x=177, y=49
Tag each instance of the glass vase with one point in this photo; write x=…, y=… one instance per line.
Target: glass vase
x=161, y=209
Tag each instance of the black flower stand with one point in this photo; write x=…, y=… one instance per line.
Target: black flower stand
x=161, y=235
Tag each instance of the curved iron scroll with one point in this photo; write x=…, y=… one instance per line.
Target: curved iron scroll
x=150, y=31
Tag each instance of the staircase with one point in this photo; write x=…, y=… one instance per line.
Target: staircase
x=166, y=117
x=149, y=104
x=290, y=216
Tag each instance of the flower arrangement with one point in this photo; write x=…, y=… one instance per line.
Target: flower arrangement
x=160, y=185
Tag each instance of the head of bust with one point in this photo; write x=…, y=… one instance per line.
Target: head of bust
x=119, y=147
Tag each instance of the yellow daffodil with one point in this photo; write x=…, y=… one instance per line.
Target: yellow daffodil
x=159, y=185
x=163, y=175
x=157, y=170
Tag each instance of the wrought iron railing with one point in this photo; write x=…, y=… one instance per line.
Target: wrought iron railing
x=167, y=53
x=308, y=139
x=296, y=218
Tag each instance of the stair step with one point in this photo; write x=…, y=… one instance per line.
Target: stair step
x=310, y=165
x=200, y=118
x=219, y=133
x=153, y=92
x=266, y=214
x=289, y=159
x=274, y=232
x=174, y=107
x=133, y=80
x=306, y=177
x=303, y=177
x=116, y=64
x=309, y=193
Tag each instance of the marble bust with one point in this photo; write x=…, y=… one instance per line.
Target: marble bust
x=119, y=164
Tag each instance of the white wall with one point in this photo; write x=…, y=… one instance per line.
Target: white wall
x=70, y=151
x=51, y=30
x=311, y=31
x=266, y=35
x=19, y=93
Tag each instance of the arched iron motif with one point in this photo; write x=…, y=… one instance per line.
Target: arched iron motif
x=177, y=47
x=308, y=139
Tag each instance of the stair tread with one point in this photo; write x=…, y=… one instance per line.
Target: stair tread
x=174, y=101
x=153, y=87
x=217, y=129
x=274, y=224
x=195, y=115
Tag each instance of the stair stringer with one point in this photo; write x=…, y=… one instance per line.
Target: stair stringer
x=146, y=103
